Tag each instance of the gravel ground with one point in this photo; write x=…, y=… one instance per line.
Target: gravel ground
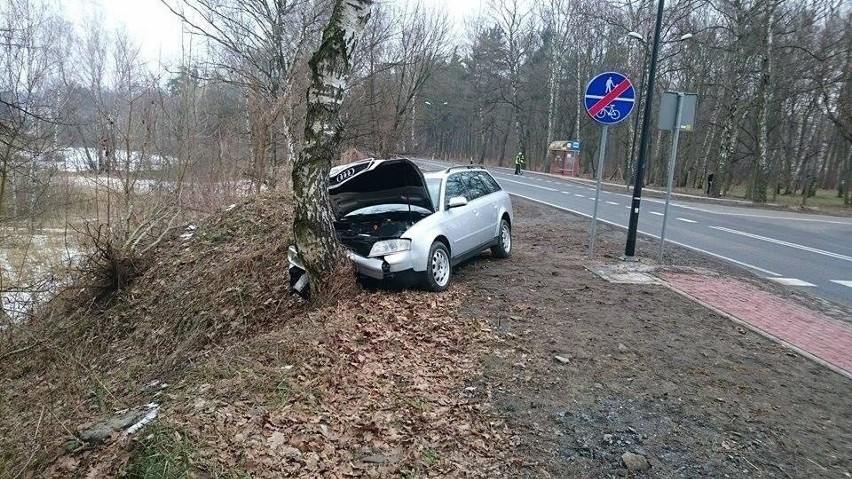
x=642, y=370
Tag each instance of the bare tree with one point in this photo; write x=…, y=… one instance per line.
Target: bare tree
x=557, y=16
x=258, y=44
x=419, y=47
x=313, y=226
x=764, y=93
x=32, y=39
x=515, y=23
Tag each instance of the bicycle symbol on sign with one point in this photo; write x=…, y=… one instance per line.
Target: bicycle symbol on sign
x=609, y=111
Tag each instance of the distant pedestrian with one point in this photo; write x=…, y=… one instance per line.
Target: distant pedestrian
x=709, y=184
x=519, y=161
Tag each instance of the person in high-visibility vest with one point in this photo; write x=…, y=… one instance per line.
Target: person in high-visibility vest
x=519, y=160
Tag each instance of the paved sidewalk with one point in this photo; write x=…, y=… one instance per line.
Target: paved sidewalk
x=825, y=339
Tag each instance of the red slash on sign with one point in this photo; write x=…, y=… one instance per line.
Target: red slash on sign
x=609, y=97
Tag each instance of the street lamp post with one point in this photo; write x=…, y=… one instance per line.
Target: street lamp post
x=630, y=248
x=639, y=92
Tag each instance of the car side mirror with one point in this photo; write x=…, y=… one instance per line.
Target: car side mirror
x=457, y=201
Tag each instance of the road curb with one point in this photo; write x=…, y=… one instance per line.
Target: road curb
x=736, y=320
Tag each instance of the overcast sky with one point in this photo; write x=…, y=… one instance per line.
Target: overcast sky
x=158, y=32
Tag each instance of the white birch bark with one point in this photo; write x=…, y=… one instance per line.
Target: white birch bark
x=313, y=226
x=761, y=170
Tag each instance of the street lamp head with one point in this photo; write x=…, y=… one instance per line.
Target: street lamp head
x=637, y=36
x=685, y=36
x=428, y=103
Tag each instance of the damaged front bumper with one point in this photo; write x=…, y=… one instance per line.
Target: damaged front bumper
x=387, y=267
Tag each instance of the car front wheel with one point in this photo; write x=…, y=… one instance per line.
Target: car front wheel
x=438, y=269
x=503, y=248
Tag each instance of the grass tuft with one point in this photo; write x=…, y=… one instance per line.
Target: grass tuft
x=164, y=453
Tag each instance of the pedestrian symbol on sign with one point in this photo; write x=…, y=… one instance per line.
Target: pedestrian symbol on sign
x=609, y=84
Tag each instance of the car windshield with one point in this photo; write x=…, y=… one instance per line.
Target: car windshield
x=387, y=208
x=434, y=185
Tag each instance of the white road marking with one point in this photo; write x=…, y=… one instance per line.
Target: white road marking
x=792, y=282
x=656, y=213
x=578, y=195
x=612, y=203
x=785, y=243
x=842, y=282
x=765, y=217
x=686, y=220
x=693, y=248
x=530, y=185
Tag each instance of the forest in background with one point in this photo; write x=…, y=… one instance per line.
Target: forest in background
x=773, y=78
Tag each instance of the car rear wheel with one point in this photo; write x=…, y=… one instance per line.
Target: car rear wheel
x=503, y=248
x=438, y=269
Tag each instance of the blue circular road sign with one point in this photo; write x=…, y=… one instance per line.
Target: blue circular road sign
x=609, y=98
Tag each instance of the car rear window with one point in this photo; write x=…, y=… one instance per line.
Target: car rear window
x=475, y=186
x=489, y=181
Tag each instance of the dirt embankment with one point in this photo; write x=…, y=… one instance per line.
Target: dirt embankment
x=249, y=380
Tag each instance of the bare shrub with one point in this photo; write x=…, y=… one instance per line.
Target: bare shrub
x=118, y=248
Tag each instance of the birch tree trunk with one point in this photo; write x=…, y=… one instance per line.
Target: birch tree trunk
x=730, y=129
x=847, y=198
x=483, y=132
x=313, y=225
x=555, y=77
x=761, y=170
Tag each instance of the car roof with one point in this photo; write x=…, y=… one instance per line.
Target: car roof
x=453, y=169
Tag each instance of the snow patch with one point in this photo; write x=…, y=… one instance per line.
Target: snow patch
x=153, y=410
x=79, y=160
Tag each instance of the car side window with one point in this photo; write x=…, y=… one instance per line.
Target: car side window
x=455, y=187
x=489, y=181
x=475, y=185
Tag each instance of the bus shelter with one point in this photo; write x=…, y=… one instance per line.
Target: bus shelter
x=563, y=160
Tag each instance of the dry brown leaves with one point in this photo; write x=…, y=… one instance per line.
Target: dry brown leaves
x=379, y=388
x=377, y=385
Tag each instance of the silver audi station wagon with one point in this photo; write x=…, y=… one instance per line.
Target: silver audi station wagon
x=401, y=224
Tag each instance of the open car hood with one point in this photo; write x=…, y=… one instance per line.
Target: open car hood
x=377, y=182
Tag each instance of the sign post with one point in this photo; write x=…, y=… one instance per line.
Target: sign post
x=684, y=118
x=609, y=100
x=599, y=176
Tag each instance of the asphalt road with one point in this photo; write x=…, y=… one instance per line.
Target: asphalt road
x=808, y=252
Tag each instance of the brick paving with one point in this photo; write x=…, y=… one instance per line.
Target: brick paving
x=825, y=338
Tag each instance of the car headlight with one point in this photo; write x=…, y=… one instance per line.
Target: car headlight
x=383, y=248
